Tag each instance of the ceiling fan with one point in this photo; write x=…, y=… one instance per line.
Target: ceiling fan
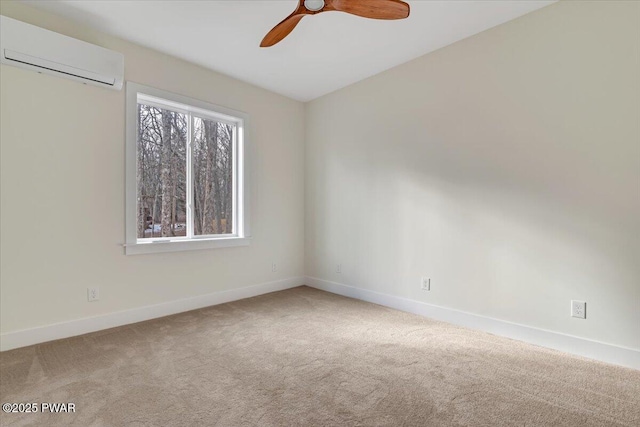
x=376, y=9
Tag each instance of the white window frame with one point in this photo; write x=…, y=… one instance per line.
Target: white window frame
x=241, y=235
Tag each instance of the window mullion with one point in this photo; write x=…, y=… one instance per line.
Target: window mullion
x=189, y=180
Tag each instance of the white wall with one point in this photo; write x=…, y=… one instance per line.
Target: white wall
x=506, y=167
x=63, y=189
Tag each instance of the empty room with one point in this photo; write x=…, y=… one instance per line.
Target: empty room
x=320, y=213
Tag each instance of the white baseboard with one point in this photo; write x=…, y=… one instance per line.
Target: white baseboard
x=85, y=325
x=604, y=352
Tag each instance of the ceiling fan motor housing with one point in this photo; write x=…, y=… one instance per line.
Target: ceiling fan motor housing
x=314, y=5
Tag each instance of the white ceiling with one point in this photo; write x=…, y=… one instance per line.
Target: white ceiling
x=324, y=53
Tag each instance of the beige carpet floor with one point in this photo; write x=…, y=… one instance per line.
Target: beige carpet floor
x=303, y=357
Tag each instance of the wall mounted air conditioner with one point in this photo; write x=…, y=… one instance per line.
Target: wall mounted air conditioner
x=27, y=46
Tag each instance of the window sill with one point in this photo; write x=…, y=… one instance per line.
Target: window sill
x=182, y=245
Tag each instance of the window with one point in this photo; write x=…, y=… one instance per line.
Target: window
x=186, y=180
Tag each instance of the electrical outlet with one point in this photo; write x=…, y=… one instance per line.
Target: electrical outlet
x=579, y=309
x=425, y=284
x=339, y=268
x=274, y=267
x=93, y=294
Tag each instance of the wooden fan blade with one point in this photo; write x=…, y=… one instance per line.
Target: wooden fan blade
x=282, y=30
x=376, y=9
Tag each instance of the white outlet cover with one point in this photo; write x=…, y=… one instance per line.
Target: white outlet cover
x=425, y=283
x=579, y=309
x=93, y=294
